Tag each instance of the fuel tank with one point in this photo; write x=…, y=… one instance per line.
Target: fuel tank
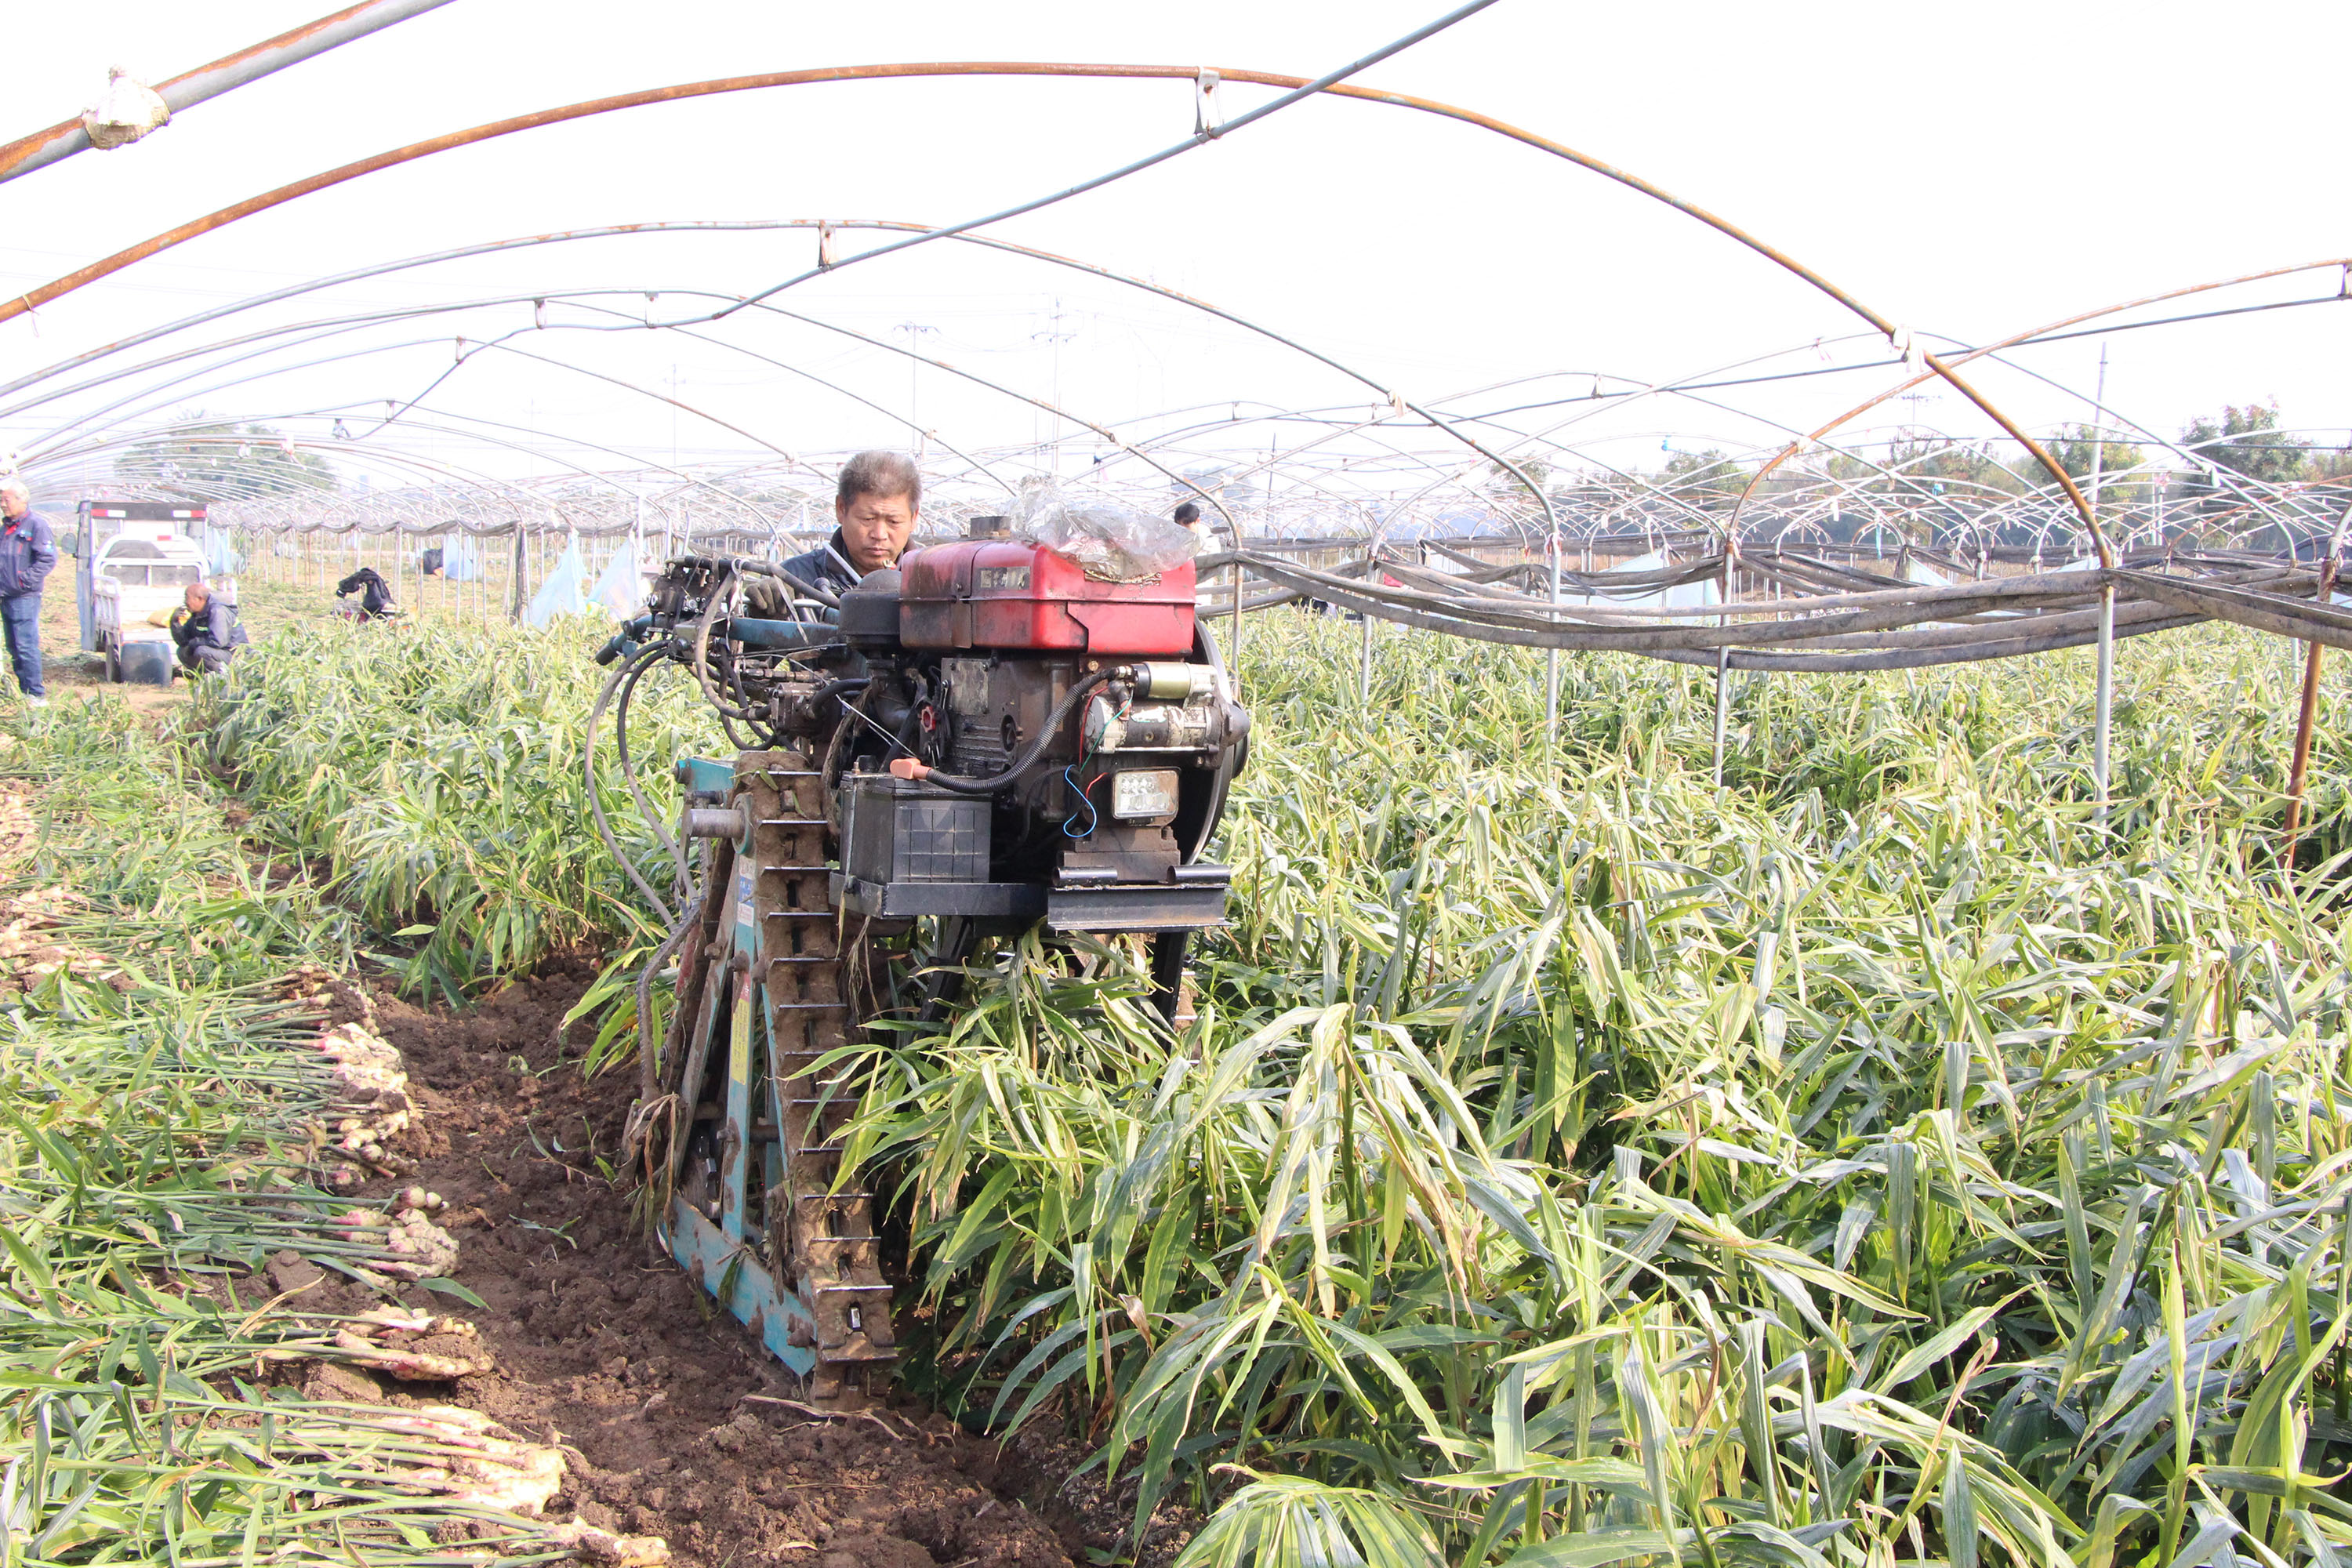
x=1014, y=597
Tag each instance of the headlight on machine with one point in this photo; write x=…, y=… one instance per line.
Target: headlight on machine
x=1143, y=793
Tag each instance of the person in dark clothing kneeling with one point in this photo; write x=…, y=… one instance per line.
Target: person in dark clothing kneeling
x=207, y=631
x=375, y=594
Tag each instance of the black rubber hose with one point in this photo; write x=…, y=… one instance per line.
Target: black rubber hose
x=628, y=671
x=648, y=1065
x=840, y=687
x=673, y=848
x=769, y=569
x=721, y=593
x=1035, y=750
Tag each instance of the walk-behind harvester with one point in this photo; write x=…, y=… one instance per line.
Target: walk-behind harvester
x=987, y=740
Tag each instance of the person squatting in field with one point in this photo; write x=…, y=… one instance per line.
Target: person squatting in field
x=375, y=594
x=207, y=631
x=28, y=549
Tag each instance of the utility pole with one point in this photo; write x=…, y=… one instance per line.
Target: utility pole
x=1055, y=336
x=915, y=331
x=2104, y=704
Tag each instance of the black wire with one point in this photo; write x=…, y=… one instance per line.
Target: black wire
x=612, y=685
x=670, y=846
x=1035, y=752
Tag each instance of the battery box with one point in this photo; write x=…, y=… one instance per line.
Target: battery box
x=896, y=830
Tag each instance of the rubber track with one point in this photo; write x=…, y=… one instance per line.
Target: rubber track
x=821, y=1243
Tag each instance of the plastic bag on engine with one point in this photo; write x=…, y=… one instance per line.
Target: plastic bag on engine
x=1112, y=544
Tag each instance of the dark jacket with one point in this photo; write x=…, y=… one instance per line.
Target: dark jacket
x=28, y=548
x=215, y=626
x=826, y=567
x=375, y=594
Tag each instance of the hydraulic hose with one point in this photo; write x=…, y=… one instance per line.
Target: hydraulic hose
x=672, y=846
x=627, y=670
x=744, y=564
x=721, y=593
x=907, y=768
x=649, y=1070
x=841, y=688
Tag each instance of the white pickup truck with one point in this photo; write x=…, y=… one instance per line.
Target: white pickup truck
x=131, y=579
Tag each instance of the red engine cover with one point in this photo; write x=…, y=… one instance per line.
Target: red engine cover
x=1001, y=593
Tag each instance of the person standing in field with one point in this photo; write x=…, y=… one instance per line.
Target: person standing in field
x=29, y=549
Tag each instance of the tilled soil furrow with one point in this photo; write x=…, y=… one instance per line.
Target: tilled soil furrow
x=673, y=1422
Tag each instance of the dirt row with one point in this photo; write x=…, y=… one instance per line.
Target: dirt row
x=675, y=1423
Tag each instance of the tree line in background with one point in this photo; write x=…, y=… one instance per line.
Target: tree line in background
x=202, y=461
x=195, y=462
x=2245, y=439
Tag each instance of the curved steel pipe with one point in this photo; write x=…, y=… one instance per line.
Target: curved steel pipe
x=1297, y=86
x=187, y=89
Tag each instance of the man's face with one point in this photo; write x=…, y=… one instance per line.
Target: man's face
x=875, y=529
x=14, y=505
x=196, y=596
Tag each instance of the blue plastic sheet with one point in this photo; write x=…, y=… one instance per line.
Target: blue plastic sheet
x=461, y=561
x=618, y=587
x=221, y=558
x=564, y=592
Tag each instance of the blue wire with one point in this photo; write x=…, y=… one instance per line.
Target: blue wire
x=1069, y=776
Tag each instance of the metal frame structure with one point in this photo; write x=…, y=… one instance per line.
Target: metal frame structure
x=1788, y=532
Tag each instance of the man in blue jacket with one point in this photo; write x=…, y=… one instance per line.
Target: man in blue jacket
x=29, y=549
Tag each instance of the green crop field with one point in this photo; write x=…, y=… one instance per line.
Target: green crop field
x=165, y=1124
x=1875, y=1160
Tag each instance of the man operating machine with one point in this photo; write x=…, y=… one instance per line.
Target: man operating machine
x=874, y=509
x=940, y=743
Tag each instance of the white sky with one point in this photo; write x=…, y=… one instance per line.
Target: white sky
x=1969, y=170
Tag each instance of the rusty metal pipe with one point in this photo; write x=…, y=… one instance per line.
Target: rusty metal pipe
x=189, y=88
x=182, y=233
x=2308, y=718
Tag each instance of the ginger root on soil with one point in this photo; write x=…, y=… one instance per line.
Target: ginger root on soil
x=372, y=1104
x=421, y=1249
x=590, y=1545
x=28, y=949
x=415, y=1347
x=20, y=835
x=497, y=1470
